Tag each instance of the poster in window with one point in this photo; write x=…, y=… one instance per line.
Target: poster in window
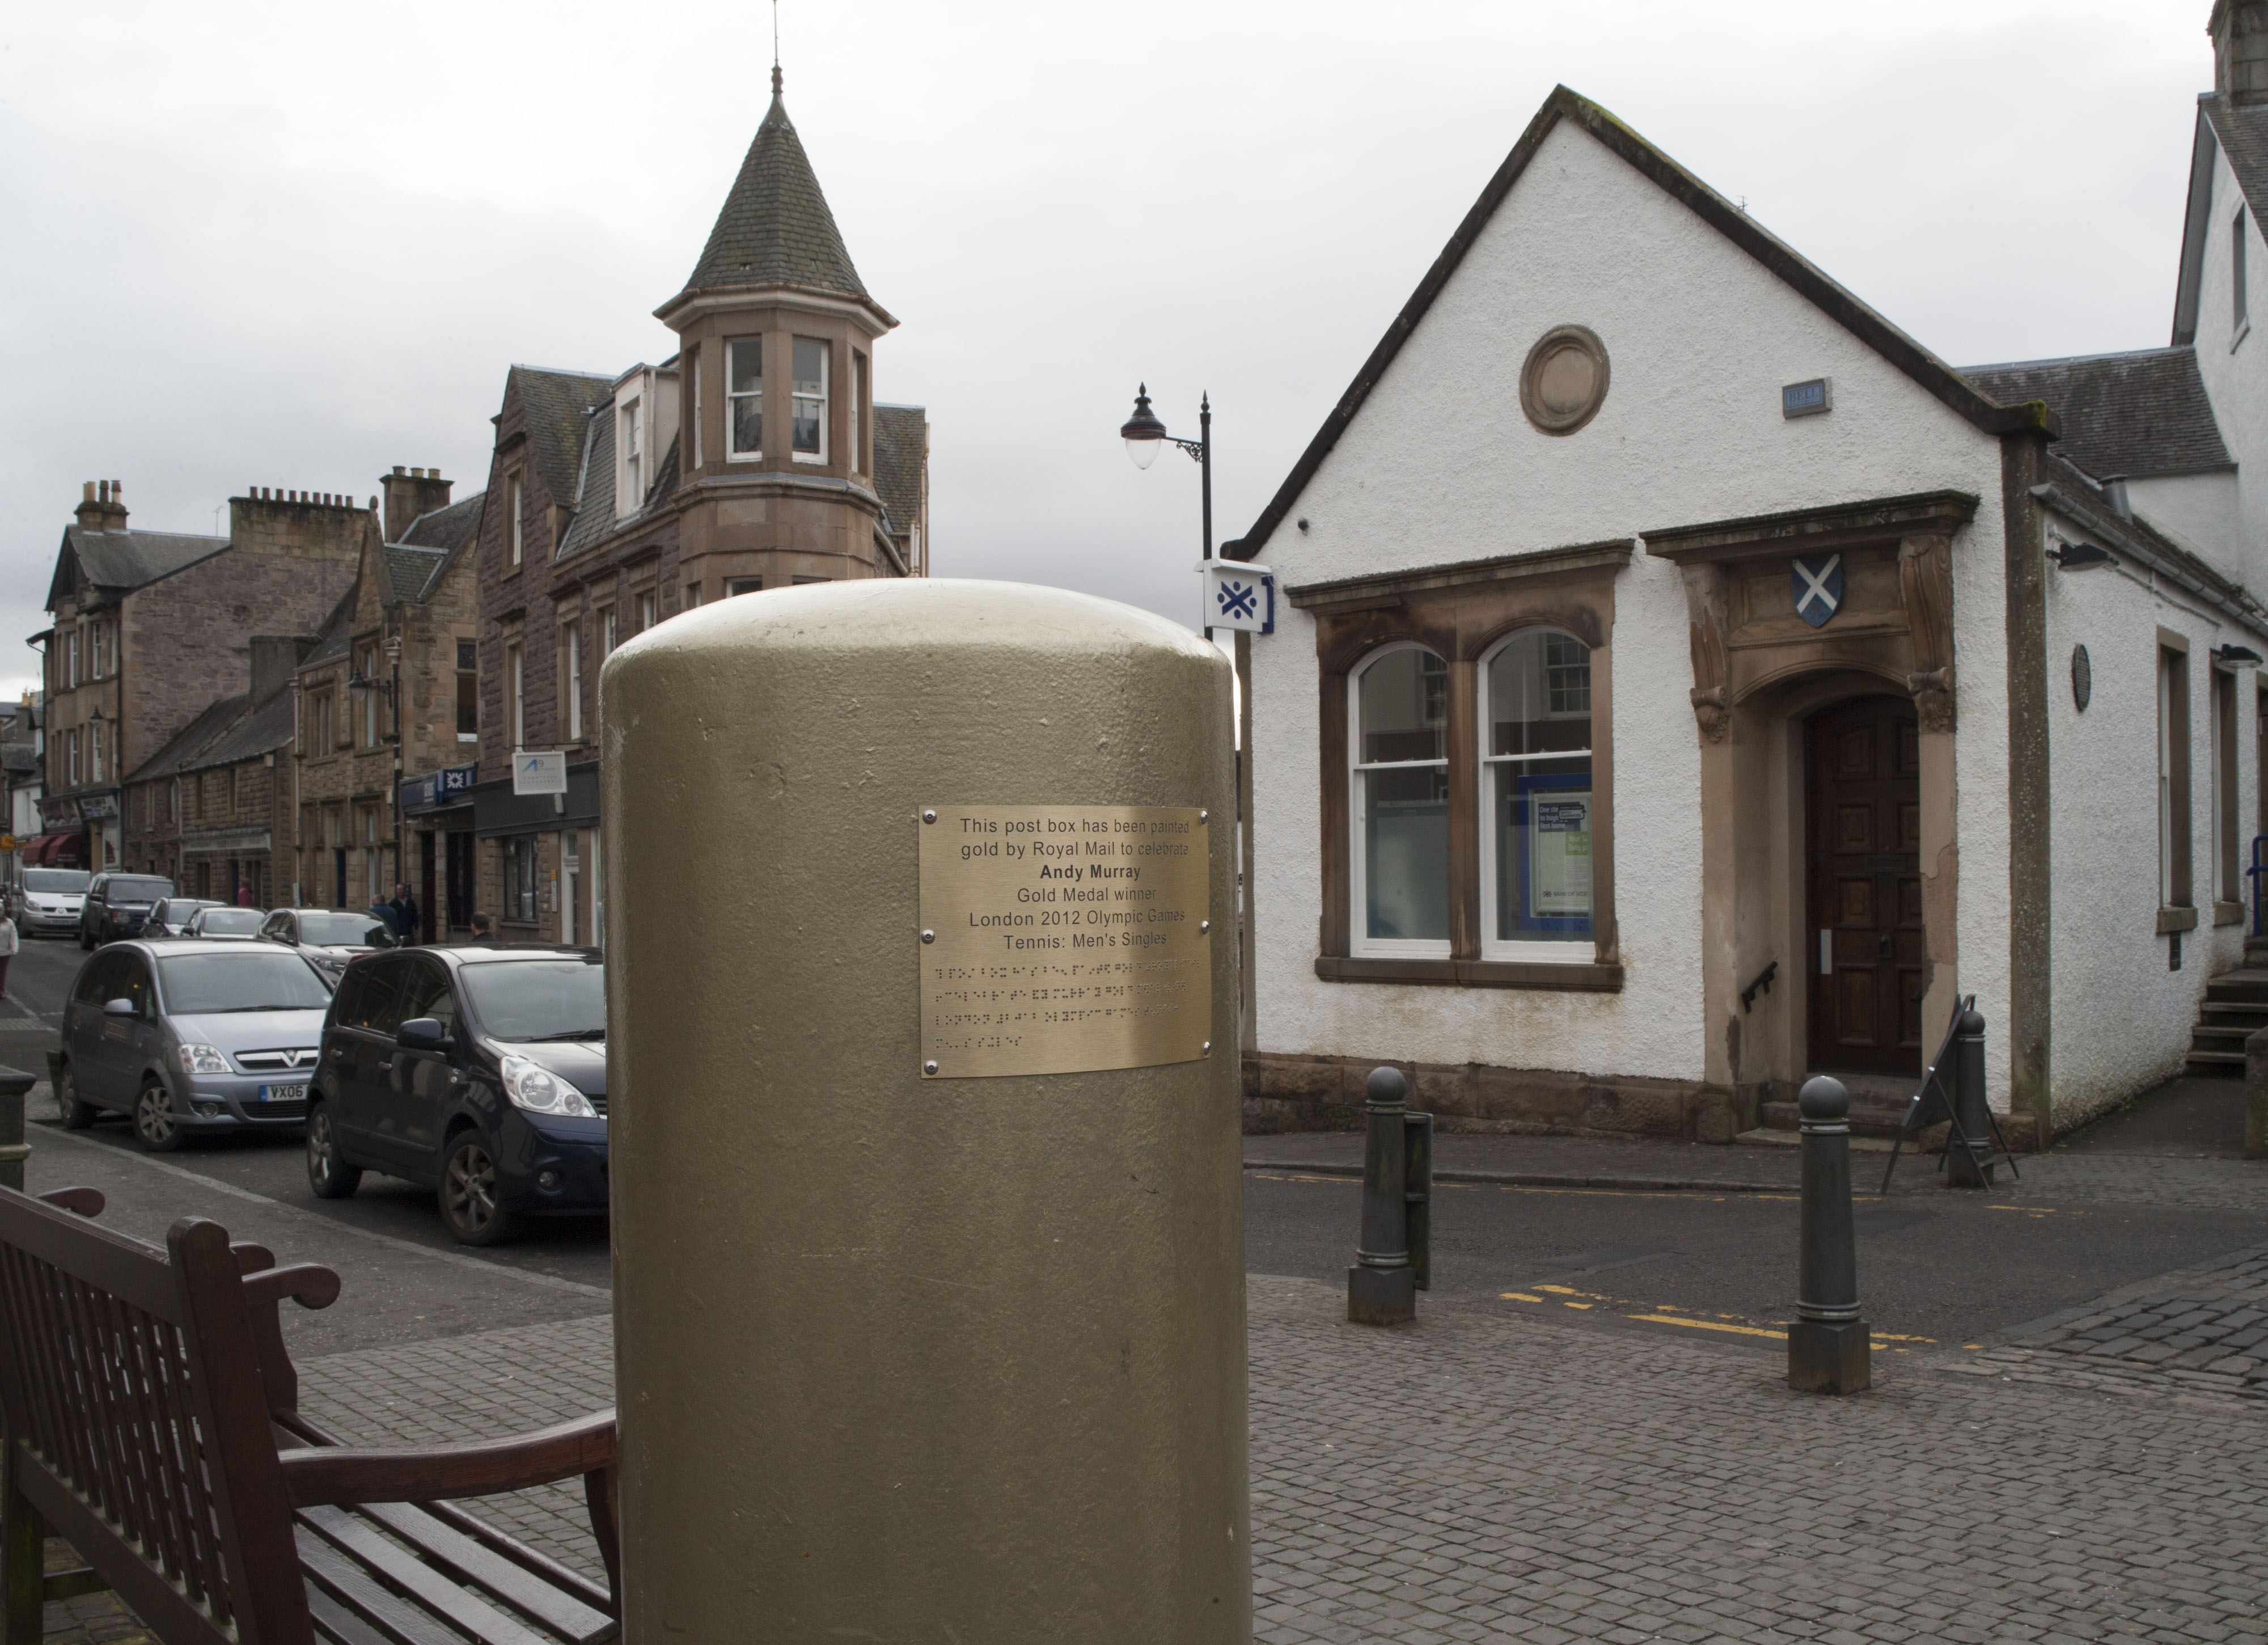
x=1558, y=847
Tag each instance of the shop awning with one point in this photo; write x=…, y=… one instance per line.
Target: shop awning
x=64, y=849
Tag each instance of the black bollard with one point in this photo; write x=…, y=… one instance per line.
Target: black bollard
x=1382, y=1287
x=1968, y=1144
x=1829, y=1351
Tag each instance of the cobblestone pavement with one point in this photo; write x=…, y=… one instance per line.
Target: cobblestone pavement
x=2203, y=1333
x=1485, y=1476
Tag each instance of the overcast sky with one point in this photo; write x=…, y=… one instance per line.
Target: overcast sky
x=292, y=245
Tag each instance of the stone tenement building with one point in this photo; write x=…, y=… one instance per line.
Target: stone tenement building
x=386, y=701
x=755, y=458
x=211, y=811
x=151, y=627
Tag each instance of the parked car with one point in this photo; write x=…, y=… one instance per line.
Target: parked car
x=118, y=906
x=189, y=1036
x=218, y=919
x=170, y=916
x=47, y=900
x=481, y=1071
x=325, y=939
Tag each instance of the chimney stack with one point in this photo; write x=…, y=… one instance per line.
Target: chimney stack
x=103, y=506
x=409, y=493
x=2239, y=49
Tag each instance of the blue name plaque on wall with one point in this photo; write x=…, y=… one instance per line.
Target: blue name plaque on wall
x=1806, y=399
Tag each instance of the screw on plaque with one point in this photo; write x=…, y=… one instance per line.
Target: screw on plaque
x=928, y=816
x=929, y=936
x=1204, y=817
x=929, y=1067
x=1208, y=1048
x=1204, y=926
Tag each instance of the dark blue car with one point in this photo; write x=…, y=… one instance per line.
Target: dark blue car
x=480, y=1072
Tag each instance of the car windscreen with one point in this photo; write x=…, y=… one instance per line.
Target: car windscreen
x=344, y=931
x=538, y=999
x=231, y=922
x=256, y=980
x=122, y=888
x=56, y=881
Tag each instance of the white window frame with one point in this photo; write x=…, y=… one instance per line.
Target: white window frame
x=1360, y=942
x=632, y=459
x=2239, y=279
x=797, y=398
x=1581, y=950
x=575, y=681
x=610, y=633
x=733, y=452
x=696, y=408
x=735, y=587
x=518, y=522
x=515, y=680
x=94, y=750
x=857, y=408
x=71, y=654
x=649, y=610
x=71, y=749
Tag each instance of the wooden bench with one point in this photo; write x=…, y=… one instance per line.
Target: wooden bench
x=149, y=1417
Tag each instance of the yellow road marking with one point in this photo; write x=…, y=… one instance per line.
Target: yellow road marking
x=1518, y=1296
x=1892, y=1336
x=1561, y=1290
x=1574, y=1305
x=1711, y=1324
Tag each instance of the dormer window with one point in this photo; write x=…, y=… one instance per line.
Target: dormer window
x=633, y=486
x=2239, y=318
x=744, y=398
x=809, y=411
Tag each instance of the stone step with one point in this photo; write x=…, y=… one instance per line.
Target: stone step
x=2215, y=1064
x=1764, y=1137
x=1867, y=1118
x=2233, y=1011
x=2231, y=987
x=2210, y=1035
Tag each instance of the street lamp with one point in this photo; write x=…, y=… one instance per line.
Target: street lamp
x=1144, y=434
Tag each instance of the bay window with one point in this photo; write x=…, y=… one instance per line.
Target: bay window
x=807, y=412
x=744, y=398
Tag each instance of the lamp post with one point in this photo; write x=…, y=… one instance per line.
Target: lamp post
x=1144, y=433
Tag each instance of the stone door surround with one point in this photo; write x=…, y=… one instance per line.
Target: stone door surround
x=1758, y=669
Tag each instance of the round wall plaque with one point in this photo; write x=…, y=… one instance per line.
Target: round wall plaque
x=1564, y=380
x=2083, y=677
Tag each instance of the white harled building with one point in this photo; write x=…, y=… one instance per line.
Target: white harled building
x=1685, y=681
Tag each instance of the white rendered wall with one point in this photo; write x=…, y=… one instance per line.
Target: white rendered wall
x=2236, y=367
x=1440, y=466
x=2122, y=1019
x=2199, y=510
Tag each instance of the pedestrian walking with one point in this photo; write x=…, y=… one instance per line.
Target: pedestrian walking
x=244, y=896
x=405, y=912
x=484, y=928
x=7, y=949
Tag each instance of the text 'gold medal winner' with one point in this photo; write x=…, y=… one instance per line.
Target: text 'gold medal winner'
x=1064, y=939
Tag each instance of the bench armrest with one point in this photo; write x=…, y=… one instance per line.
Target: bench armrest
x=346, y=1476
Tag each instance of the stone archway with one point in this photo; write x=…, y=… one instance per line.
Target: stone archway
x=1760, y=671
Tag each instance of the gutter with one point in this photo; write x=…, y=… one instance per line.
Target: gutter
x=2226, y=597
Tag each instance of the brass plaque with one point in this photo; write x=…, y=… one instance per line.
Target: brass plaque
x=1062, y=938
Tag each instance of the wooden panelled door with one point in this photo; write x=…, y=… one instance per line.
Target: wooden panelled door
x=1863, y=817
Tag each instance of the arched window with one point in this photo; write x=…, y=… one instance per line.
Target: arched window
x=1401, y=802
x=1536, y=786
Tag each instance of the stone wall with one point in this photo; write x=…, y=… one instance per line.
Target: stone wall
x=1290, y=1092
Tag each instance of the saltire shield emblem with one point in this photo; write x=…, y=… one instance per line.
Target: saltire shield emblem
x=1817, y=580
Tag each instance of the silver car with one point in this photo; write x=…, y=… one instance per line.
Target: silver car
x=49, y=899
x=187, y=1035
x=218, y=919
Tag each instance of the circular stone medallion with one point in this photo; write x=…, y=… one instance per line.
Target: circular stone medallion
x=2083, y=677
x=1564, y=380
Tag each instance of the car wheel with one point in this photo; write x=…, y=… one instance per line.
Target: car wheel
x=328, y=1173
x=468, y=1193
x=155, y=1125
x=78, y=1116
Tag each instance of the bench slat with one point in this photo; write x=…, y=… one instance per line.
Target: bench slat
x=542, y=1564
x=394, y=1620
x=335, y=1624
x=129, y=1268
x=541, y=1602
x=401, y=1571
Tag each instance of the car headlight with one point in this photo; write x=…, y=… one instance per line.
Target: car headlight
x=540, y=1091
x=201, y=1059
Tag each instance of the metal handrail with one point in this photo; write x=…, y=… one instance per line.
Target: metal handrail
x=2255, y=873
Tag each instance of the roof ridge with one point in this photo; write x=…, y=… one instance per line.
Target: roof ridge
x=2078, y=359
x=1901, y=349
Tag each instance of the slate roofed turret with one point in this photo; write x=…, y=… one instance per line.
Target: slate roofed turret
x=776, y=230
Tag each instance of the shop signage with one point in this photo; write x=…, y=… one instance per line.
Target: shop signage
x=1238, y=595
x=539, y=772
x=94, y=806
x=438, y=788
x=1062, y=938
